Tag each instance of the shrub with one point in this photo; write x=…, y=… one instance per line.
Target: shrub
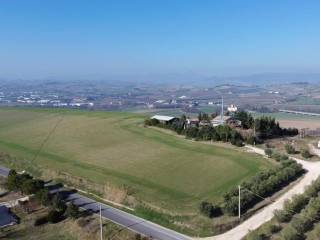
x=290, y=233
x=210, y=210
x=282, y=216
x=305, y=153
x=268, y=152
x=274, y=228
x=290, y=149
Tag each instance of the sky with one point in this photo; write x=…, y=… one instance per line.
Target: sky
x=96, y=39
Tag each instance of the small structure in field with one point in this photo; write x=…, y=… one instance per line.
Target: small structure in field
x=164, y=119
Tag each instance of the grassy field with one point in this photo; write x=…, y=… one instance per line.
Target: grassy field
x=164, y=171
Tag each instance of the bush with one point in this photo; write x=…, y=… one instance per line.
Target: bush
x=210, y=210
x=40, y=221
x=305, y=153
x=290, y=149
x=268, y=152
x=282, y=216
x=290, y=233
x=274, y=228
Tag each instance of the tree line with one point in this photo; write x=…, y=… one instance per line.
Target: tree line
x=263, y=184
x=264, y=128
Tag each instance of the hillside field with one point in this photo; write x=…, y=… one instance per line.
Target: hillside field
x=164, y=170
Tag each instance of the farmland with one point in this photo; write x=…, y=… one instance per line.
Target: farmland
x=114, y=149
x=294, y=121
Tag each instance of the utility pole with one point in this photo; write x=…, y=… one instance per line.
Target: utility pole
x=222, y=113
x=101, y=232
x=239, y=207
x=254, y=134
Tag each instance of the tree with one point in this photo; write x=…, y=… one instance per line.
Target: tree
x=245, y=118
x=43, y=197
x=73, y=211
x=58, y=204
x=12, y=180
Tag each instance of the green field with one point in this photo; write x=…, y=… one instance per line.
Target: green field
x=114, y=148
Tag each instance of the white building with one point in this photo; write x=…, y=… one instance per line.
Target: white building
x=232, y=108
x=164, y=119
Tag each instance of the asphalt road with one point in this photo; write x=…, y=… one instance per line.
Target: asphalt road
x=117, y=216
x=4, y=171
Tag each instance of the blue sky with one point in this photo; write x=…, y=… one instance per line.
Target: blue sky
x=95, y=39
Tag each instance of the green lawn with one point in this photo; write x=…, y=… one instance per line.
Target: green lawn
x=114, y=148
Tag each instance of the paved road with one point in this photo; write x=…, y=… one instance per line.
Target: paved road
x=4, y=171
x=117, y=216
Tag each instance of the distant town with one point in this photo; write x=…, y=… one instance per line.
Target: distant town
x=299, y=96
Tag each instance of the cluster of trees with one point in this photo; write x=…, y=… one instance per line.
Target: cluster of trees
x=306, y=210
x=23, y=183
x=58, y=208
x=247, y=121
x=206, y=133
x=220, y=133
x=264, y=184
x=267, y=127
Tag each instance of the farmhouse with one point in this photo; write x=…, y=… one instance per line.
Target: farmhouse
x=192, y=122
x=164, y=119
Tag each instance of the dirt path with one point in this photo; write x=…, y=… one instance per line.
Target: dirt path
x=314, y=150
x=266, y=214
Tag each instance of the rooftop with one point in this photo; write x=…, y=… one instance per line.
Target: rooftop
x=163, y=118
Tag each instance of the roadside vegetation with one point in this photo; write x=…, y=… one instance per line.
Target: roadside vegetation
x=298, y=220
x=261, y=186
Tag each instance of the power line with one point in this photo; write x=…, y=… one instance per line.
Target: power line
x=288, y=210
x=47, y=138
